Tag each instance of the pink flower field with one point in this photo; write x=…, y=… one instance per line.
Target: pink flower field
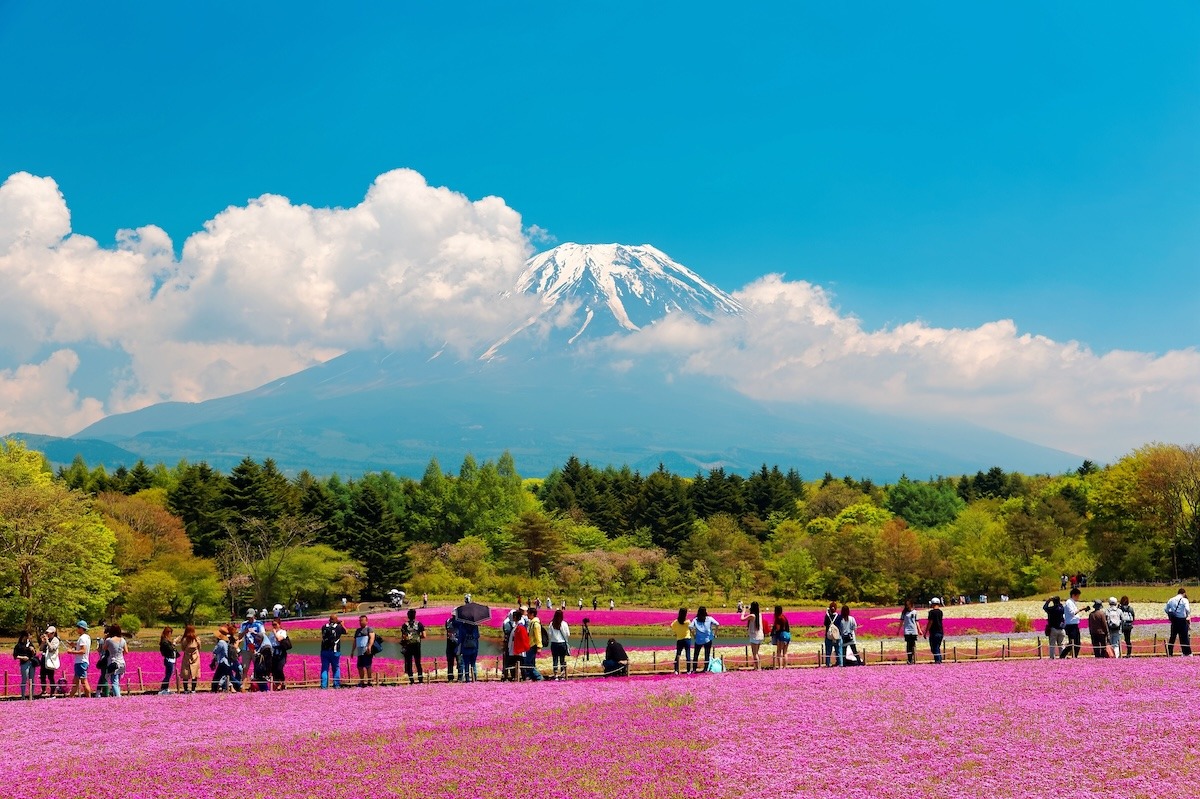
x=1020, y=729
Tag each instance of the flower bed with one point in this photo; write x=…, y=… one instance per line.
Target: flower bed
x=919, y=731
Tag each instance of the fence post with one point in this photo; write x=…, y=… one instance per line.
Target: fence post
x=977, y=647
x=6, y=683
x=1039, y=647
x=1154, y=651
x=304, y=673
x=955, y=649
x=141, y=685
x=881, y=651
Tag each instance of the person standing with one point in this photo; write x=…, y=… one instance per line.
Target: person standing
x=754, y=629
x=410, y=642
x=251, y=633
x=364, y=658
x=468, y=648
x=81, y=651
x=223, y=658
x=424, y=600
x=529, y=668
x=848, y=626
x=704, y=630
x=683, y=641
x=935, y=629
x=508, y=659
x=26, y=656
x=1113, y=616
x=1179, y=612
x=1098, y=630
x=1127, y=617
x=331, y=651
x=595, y=603
x=611, y=605
x=452, y=657
x=581, y=604
x=1055, y=632
x=50, y=661
x=115, y=646
x=518, y=645
x=189, y=659
x=781, y=636
x=833, y=641
x=560, y=645
x=911, y=627
x=281, y=643
x=166, y=648
x=1071, y=613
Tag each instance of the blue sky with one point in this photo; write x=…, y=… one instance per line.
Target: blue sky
x=951, y=163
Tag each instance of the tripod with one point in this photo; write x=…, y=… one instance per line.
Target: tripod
x=586, y=643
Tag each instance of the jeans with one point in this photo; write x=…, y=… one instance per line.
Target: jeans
x=331, y=664
x=1073, y=647
x=412, y=654
x=832, y=647
x=168, y=670
x=1180, y=629
x=466, y=667
x=910, y=647
x=114, y=680
x=529, y=670
x=1114, y=640
x=684, y=645
x=935, y=646
x=613, y=668
x=707, y=647
x=452, y=662
x=220, y=676
x=27, y=679
x=558, y=658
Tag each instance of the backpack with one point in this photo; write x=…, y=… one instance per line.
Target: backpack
x=833, y=632
x=377, y=644
x=1114, y=618
x=716, y=666
x=1126, y=619
x=451, y=631
x=543, y=636
x=410, y=635
x=329, y=637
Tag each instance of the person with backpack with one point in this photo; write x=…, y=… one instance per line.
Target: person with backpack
x=1113, y=616
x=452, y=657
x=250, y=634
x=281, y=644
x=1127, y=617
x=518, y=645
x=537, y=639
x=833, y=640
x=754, y=628
x=1179, y=611
x=364, y=655
x=410, y=643
x=467, y=633
x=509, y=668
x=560, y=645
x=847, y=625
x=115, y=646
x=331, y=651
x=1055, y=626
x=264, y=665
x=704, y=630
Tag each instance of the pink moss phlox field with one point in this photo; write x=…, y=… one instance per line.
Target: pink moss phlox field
x=1020, y=729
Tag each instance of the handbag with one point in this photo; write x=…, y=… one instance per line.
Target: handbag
x=716, y=666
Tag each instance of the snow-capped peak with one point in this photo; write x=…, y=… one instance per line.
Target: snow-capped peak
x=636, y=285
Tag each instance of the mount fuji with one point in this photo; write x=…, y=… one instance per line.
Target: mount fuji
x=550, y=388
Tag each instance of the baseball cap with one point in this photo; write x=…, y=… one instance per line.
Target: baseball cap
x=52, y=629
x=250, y=614
x=81, y=624
x=1112, y=600
x=935, y=601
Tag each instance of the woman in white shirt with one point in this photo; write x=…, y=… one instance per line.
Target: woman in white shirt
x=848, y=627
x=560, y=638
x=754, y=630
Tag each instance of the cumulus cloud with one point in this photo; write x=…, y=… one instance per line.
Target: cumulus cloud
x=265, y=289
x=794, y=345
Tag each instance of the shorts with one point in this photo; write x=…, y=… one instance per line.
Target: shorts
x=81, y=670
x=364, y=661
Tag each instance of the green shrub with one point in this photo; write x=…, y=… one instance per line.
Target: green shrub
x=130, y=624
x=1021, y=623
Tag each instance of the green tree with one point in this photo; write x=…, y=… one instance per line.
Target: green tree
x=923, y=505
x=55, y=552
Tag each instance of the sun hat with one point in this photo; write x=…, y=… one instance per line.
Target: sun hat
x=52, y=629
x=1112, y=600
x=935, y=601
x=1096, y=605
x=81, y=624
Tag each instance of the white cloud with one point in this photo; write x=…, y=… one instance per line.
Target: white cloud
x=262, y=291
x=795, y=345
x=35, y=398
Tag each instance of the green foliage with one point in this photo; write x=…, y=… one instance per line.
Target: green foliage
x=131, y=625
x=924, y=505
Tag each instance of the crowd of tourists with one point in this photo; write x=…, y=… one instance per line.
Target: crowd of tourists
x=253, y=655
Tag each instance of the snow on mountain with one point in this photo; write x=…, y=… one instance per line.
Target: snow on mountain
x=609, y=288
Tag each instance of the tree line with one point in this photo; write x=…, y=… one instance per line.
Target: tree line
x=192, y=543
